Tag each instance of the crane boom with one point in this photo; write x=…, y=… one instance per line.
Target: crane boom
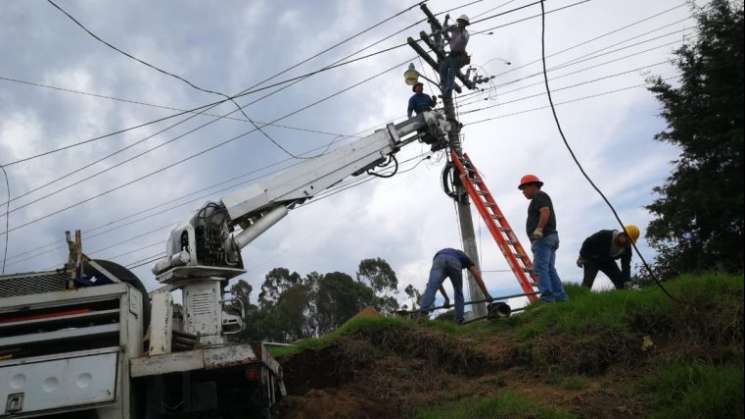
x=209, y=245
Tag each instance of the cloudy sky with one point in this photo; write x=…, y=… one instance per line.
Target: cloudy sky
x=51, y=70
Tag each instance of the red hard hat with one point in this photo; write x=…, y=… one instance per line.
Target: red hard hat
x=529, y=179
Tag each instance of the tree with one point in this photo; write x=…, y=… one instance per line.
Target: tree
x=277, y=281
x=414, y=295
x=378, y=275
x=338, y=299
x=698, y=222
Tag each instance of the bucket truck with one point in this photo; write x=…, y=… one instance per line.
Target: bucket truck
x=88, y=341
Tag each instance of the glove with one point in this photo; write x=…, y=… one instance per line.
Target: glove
x=580, y=262
x=537, y=234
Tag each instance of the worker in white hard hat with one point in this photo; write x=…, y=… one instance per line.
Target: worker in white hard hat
x=457, y=58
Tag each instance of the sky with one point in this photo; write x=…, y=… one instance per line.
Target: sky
x=52, y=70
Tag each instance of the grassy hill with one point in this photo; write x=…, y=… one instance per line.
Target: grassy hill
x=617, y=354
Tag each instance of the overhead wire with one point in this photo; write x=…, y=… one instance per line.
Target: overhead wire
x=194, y=86
x=141, y=213
x=202, y=152
x=572, y=86
x=204, y=125
x=251, y=90
x=601, y=36
x=557, y=104
x=320, y=197
x=7, y=219
x=576, y=159
x=244, y=93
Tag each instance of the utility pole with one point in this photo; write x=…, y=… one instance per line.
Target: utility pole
x=436, y=42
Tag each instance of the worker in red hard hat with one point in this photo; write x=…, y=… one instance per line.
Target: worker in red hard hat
x=541, y=229
x=420, y=102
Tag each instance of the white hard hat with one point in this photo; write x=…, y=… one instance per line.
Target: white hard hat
x=465, y=19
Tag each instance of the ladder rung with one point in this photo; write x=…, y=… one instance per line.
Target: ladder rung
x=519, y=256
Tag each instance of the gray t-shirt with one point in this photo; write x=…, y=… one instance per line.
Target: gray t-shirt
x=458, y=39
x=541, y=200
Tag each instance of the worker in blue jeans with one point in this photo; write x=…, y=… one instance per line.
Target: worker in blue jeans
x=541, y=228
x=449, y=263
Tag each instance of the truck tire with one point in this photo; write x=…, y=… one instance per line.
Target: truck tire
x=126, y=276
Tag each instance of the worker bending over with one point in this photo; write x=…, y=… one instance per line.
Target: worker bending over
x=458, y=40
x=601, y=250
x=541, y=229
x=420, y=102
x=449, y=263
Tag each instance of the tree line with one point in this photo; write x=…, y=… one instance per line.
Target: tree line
x=291, y=306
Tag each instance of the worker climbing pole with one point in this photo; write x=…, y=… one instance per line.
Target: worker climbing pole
x=449, y=65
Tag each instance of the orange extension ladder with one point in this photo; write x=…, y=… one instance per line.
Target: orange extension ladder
x=500, y=229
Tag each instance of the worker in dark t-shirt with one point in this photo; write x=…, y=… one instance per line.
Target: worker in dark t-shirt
x=601, y=250
x=449, y=263
x=541, y=229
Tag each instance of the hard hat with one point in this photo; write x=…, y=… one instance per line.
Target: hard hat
x=633, y=232
x=528, y=180
x=413, y=88
x=465, y=19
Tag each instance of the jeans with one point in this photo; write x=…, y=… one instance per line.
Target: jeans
x=608, y=267
x=544, y=263
x=448, y=69
x=445, y=267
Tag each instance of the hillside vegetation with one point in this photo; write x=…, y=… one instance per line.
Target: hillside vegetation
x=616, y=354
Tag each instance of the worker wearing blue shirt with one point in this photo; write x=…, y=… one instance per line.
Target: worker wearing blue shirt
x=420, y=102
x=449, y=263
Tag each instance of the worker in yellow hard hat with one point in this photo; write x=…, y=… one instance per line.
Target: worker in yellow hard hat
x=600, y=252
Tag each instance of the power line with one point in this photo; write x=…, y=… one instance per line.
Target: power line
x=582, y=70
x=603, y=35
x=151, y=105
x=320, y=197
x=194, y=86
x=249, y=91
x=204, y=125
x=557, y=104
x=583, y=83
x=7, y=219
x=576, y=160
x=525, y=19
x=203, y=151
x=493, y=9
x=171, y=201
x=575, y=61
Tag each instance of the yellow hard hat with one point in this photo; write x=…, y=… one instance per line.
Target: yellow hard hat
x=633, y=232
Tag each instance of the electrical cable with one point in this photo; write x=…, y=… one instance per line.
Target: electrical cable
x=151, y=105
x=493, y=9
x=204, y=125
x=194, y=86
x=249, y=91
x=7, y=219
x=583, y=83
x=203, y=151
x=603, y=35
x=244, y=93
x=525, y=19
x=171, y=201
x=557, y=104
x=579, y=164
x=320, y=197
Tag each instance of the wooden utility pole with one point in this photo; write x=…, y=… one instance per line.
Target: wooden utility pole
x=436, y=42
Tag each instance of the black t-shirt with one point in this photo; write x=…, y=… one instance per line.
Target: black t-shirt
x=541, y=200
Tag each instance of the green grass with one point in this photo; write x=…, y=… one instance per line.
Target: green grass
x=695, y=391
x=621, y=311
x=506, y=405
x=353, y=326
